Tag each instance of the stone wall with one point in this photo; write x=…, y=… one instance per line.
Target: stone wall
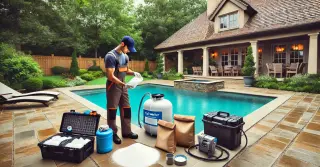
x=198, y=86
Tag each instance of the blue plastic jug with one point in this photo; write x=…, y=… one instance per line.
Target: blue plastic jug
x=104, y=140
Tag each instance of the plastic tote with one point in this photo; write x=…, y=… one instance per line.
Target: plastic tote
x=72, y=125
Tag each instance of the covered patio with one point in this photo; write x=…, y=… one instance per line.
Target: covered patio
x=279, y=56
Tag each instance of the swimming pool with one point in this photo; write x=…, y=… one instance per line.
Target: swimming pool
x=185, y=102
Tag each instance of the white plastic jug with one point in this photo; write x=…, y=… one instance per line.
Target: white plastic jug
x=135, y=81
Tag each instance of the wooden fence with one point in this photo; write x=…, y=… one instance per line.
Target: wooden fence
x=47, y=62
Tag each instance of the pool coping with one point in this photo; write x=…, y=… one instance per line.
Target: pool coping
x=250, y=120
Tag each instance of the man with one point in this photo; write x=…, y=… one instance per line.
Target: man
x=116, y=62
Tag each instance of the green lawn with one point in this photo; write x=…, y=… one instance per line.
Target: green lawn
x=53, y=78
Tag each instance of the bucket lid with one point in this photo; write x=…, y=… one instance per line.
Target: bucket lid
x=158, y=95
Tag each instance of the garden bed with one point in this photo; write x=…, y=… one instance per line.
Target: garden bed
x=299, y=83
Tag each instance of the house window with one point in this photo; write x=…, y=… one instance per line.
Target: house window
x=234, y=57
x=229, y=21
x=225, y=58
x=296, y=53
x=279, y=54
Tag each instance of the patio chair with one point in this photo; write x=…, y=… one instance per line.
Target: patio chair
x=194, y=69
x=293, y=69
x=301, y=67
x=227, y=70
x=9, y=99
x=220, y=70
x=278, y=69
x=6, y=89
x=214, y=70
x=236, y=70
x=199, y=69
x=270, y=68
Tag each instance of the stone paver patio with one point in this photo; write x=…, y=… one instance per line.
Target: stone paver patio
x=288, y=136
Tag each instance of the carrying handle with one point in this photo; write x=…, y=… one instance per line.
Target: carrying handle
x=223, y=114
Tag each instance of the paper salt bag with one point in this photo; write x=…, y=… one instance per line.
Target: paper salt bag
x=135, y=81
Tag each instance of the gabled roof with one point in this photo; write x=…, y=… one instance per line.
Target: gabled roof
x=240, y=3
x=271, y=15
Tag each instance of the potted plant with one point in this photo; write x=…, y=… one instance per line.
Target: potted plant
x=185, y=71
x=159, y=68
x=248, y=69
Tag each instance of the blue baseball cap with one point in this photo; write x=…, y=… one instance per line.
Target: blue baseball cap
x=127, y=40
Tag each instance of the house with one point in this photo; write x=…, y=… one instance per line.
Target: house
x=279, y=31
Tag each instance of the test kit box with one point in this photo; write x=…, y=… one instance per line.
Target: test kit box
x=75, y=127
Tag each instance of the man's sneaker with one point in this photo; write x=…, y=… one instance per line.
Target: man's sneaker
x=116, y=139
x=131, y=136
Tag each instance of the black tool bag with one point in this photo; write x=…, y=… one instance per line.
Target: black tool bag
x=84, y=126
x=225, y=127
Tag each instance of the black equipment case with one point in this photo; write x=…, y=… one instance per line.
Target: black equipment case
x=225, y=127
x=84, y=126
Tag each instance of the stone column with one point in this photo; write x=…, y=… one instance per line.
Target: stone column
x=205, y=63
x=180, y=61
x=254, y=45
x=313, y=54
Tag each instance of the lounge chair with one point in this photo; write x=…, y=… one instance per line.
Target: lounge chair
x=9, y=99
x=4, y=89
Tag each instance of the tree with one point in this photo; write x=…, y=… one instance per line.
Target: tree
x=107, y=21
x=249, y=64
x=159, y=19
x=29, y=22
x=159, y=62
x=74, y=68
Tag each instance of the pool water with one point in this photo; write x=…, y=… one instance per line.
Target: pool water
x=185, y=102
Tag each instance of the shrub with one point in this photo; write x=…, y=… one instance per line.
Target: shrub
x=76, y=82
x=266, y=78
x=94, y=67
x=159, y=62
x=58, y=70
x=146, y=66
x=74, y=68
x=82, y=71
x=87, y=77
x=60, y=84
x=145, y=74
x=96, y=74
x=248, y=68
x=33, y=84
x=20, y=68
x=48, y=84
x=67, y=75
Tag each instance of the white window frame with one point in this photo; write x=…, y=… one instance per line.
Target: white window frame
x=227, y=17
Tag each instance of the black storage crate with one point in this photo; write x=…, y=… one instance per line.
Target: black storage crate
x=225, y=127
x=84, y=126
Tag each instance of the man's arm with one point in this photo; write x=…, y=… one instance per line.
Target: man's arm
x=130, y=72
x=111, y=77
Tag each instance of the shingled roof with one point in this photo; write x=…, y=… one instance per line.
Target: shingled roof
x=271, y=15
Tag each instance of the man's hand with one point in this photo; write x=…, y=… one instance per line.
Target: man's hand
x=137, y=74
x=128, y=86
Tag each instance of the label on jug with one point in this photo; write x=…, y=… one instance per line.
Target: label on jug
x=151, y=117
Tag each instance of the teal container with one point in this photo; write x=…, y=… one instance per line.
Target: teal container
x=104, y=141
